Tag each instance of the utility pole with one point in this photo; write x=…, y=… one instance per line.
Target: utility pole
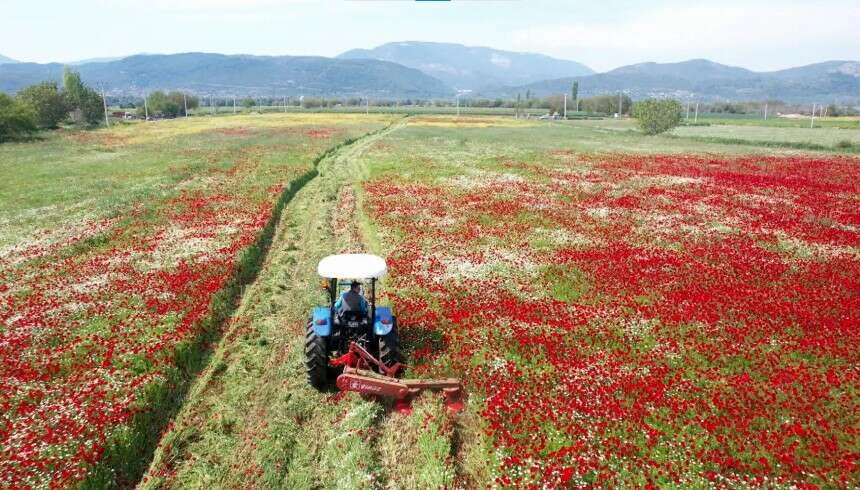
x=765, y=111
x=367, y=106
x=145, y=108
x=565, y=107
x=285, y=104
x=104, y=101
x=234, y=104
x=697, y=113
x=620, y=104
x=185, y=103
x=688, y=111
x=812, y=119
x=458, y=105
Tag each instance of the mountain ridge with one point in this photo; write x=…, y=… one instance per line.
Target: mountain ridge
x=237, y=75
x=708, y=80
x=471, y=67
x=250, y=75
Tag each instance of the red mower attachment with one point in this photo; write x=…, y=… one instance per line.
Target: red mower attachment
x=359, y=377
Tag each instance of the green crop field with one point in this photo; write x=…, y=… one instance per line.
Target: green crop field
x=623, y=310
x=844, y=137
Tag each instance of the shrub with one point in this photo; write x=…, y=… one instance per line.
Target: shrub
x=46, y=102
x=657, y=116
x=16, y=119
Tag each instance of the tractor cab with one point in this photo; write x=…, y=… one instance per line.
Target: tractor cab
x=349, y=315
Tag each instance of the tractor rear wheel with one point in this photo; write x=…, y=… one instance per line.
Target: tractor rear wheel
x=389, y=347
x=316, y=358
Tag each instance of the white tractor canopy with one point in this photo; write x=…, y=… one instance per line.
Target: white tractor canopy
x=352, y=266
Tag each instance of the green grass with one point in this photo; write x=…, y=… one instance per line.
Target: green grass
x=729, y=137
x=823, y=137
x=70, y=178
x=777, y=122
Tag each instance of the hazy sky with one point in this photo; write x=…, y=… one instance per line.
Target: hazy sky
x=757, y=34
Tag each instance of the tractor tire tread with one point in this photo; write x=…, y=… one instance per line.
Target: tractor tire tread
x=316, y=359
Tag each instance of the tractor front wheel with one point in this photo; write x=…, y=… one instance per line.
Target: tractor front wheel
x=316, y=358
x=389, y=347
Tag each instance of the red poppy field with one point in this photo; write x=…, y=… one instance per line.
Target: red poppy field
x=625, y=311
x=638, y=320
x=102, y=318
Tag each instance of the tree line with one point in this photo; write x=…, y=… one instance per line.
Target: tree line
x=45, y=105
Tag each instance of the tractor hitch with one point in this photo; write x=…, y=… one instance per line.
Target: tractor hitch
x=359, y=377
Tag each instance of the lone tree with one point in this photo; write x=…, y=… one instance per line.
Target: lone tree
x=657, y=116
x=47, y=103
x=574, y=92
x=84, y=101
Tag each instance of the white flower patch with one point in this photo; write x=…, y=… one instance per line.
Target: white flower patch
x=721, y=228
x=671, y=181
x=180, y=243
x=806, y=250
x=599, y=213
x=457, y=268
x=496, y=262
x=47, y=240
x=668, y=225
x=763, y=200
x=587, y=186
x=562, y=237
x=478, y=179
x=636, y=328
x=201, y=182
x=91, y=284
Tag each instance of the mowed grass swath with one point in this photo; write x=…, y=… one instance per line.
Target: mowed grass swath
x=627, y=319
x=122, y=252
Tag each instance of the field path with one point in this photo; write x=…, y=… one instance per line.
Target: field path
x=251, y=420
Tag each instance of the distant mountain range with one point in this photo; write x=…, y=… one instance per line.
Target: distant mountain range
x=5, y=59
x=470, y=67
x=239, y=75
x=95, y=60
x=437, y=70
x=706, y=80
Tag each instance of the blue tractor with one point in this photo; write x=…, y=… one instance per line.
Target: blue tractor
x=333, y=334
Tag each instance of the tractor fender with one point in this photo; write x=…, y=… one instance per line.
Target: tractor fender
x=384, y=321
x=321, y=321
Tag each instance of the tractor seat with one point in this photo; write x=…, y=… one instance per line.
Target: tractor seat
x=352, y=318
